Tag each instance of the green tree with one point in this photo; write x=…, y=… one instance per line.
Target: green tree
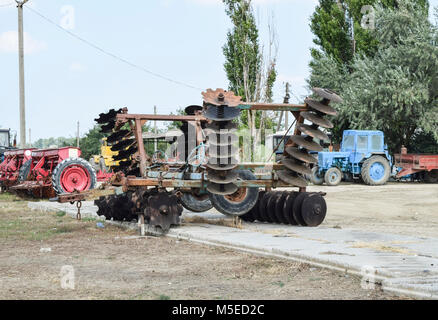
x=396, y=89
x=90, y=144
x=251, y=74
x=338, y=30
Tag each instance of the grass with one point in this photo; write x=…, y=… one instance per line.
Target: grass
x=18, y=222
x=163, y=297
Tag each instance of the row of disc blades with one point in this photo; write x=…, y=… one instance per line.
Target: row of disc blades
x=220, y=109
x=120, y=141
x=287, y=207
x=161, y=208
x=296, y=158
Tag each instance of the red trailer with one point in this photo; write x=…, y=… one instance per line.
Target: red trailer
x=423, y=166
x=46, y=172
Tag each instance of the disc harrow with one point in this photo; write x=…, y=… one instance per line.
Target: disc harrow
x=120, y=141
x=288, y=207
x=296, y=157
x=219, y=108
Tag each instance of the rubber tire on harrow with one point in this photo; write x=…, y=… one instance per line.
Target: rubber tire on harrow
x=316, y=178
x=23, y=173
x=367, y=176
x=233, y=208
x=193, y=203
x=431, y=176
x=333, y=176
x=57, y=173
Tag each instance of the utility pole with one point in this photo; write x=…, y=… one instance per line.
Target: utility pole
x=155, y=130
x=21, y=72
x=77, y=137
x=30, y=138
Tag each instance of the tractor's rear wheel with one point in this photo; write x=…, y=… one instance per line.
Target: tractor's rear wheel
x=241, y=201
x=316, y=178
x=375, y=171
x=333, y=176
x=431, y=176
x=73, y=174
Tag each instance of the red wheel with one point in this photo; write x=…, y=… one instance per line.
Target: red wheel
x=73, y=174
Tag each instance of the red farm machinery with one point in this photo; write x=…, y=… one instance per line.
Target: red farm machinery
x=208, y=172
x=422, y=167
x=46, y=172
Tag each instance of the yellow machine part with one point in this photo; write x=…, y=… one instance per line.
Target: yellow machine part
x=107, y=154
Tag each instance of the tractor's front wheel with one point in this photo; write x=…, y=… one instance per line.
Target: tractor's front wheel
x=333, y=176
x=375, y=171
x=316, y=178
x=73, y=174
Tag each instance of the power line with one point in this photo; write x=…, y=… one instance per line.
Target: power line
x=112, y=54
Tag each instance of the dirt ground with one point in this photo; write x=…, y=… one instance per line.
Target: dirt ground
x=407, y=208
x=113, y=263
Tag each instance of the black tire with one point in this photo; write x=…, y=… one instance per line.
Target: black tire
x=431, y=176
x=367, y=176
x=23, y=173
x=230, y=207
x=196, y=203
x=333, y=176
x=57, y=173
x=316, y=178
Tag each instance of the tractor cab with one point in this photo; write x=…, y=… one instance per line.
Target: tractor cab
x=5, y=142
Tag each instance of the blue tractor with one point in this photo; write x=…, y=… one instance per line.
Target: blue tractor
x=363, y=155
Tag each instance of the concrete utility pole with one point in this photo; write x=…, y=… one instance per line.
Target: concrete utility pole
x=155, y=131
x=77, y=137
x=21, y=72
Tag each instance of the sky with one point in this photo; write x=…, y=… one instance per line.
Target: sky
x=67, y=81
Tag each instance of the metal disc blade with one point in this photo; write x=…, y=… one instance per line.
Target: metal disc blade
x=224, y=139
x=222, y=151
x=190, y=110
x=223, y=189
x=122, y=144
x=263, y=214
x=288, y=208
x=327, y=94
x=310, y=131
x=314, y=118
x=107, y=128
x=279, y=207
x=294, y=166
x=270, y=207
x=296, y=211
x=118, y=135
x=318, y=106
x=221, y=97
x=303, y=142
x=291, y=178
x=301, y=155
x=313, y=210
x=222, y=177
x=255, y=210
x=221, y=113
x=124, y=154
x=218, y=126
x=221, y=167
